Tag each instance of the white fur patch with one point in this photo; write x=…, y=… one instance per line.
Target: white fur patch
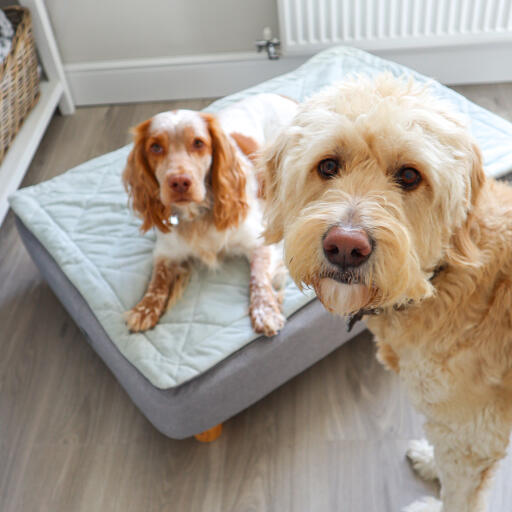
x=341, y=298
x=178, y=119
x=426, y=504
x=421, y=455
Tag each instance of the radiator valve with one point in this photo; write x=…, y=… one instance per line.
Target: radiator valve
x=269, y=43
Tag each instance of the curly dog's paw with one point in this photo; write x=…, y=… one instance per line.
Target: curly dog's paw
x=427, y=504
x=421, y=455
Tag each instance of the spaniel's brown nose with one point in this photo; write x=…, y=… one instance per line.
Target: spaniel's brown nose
x=346, y=247
x=179, y=183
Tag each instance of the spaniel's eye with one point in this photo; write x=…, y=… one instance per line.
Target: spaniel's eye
x=156, y=148
x=328, y=168
x=408, y=178
x=198, y=143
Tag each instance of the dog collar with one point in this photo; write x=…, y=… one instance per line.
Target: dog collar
x=358, y=315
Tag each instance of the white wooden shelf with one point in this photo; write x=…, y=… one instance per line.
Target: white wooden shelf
x=24, y=146
x=54, y=92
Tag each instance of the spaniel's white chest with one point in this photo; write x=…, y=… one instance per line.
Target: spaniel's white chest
x=210, y=245
x=205, y=248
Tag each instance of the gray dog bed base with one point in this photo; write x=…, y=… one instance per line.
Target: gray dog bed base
x=224, y=390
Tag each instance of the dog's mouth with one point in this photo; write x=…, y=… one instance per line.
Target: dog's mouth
x=342, y=276
x=182, y=202
x=184, y=199
x=190, y=210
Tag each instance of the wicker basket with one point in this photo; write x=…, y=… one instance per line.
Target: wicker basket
x=19, y=78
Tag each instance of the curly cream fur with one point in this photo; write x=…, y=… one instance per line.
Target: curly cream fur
x=451, y=339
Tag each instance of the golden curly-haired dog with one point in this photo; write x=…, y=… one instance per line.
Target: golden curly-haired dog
x=378, y=190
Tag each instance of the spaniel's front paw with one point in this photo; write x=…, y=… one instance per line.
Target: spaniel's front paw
x=141, y=318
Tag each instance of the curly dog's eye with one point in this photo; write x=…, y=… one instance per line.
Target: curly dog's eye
x=156, y=148
x=328, y=168
x=198, y=143
x=408, y=178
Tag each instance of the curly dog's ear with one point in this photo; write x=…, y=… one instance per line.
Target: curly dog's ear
x=268, y=163
x=142, y=186
x=463, y=249
x=230, y=204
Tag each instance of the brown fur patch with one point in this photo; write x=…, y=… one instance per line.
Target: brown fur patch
x=249, y=148
x=247, y=145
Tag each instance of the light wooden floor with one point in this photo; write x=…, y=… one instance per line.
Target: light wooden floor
x=332, y=439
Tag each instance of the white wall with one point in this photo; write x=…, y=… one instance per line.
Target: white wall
x=103, y=30
x=117, y=51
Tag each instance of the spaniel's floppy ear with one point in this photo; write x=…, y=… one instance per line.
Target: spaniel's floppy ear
x=268, y=165
x=463, y=249
x=228, y=179
x=142, y=185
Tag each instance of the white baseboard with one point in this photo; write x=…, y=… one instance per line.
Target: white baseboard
x=197, y=76
x=204, y=76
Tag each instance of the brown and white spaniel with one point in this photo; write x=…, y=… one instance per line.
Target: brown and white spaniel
x=190, y=176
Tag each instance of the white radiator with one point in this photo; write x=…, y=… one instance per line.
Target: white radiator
x=307, y=26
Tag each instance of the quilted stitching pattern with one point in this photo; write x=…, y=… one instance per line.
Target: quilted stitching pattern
x=82, y=219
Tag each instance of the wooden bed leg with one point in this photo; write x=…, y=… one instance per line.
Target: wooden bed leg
x=210, y=435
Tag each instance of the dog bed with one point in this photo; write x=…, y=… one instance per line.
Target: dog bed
x=202, y=363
